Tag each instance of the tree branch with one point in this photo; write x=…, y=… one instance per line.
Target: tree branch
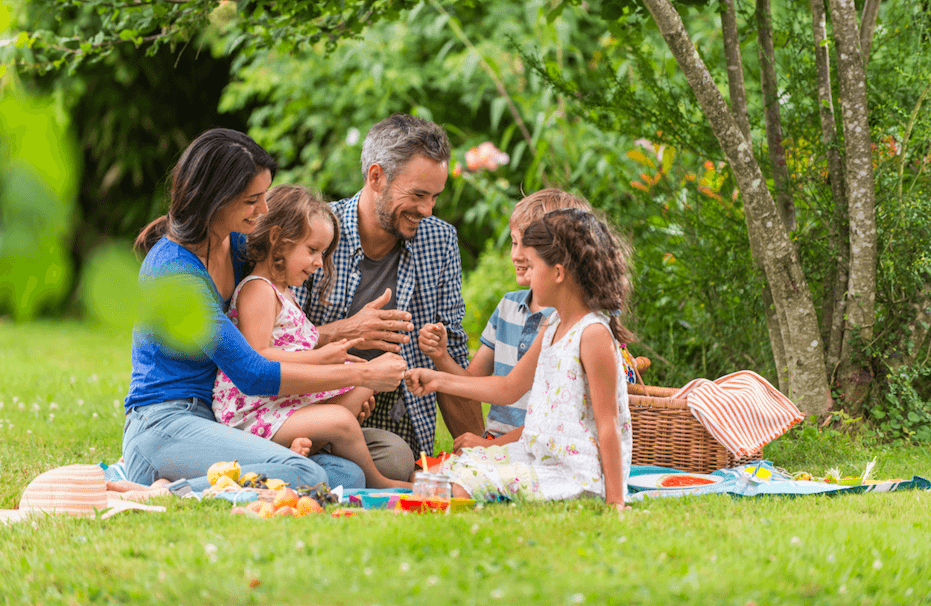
x=867, y=27
x=772, y=118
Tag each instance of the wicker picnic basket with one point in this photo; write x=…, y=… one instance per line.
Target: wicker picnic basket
x=666, y=434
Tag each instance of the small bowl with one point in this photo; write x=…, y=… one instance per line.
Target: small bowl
x=422, y=504
x=375, y=501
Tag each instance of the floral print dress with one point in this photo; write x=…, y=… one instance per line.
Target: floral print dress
x=557, y=456
x=264, y=415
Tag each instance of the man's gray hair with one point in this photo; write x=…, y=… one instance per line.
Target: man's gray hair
x=395, y=140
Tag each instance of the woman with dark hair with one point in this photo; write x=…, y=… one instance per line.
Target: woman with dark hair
x=217, y=194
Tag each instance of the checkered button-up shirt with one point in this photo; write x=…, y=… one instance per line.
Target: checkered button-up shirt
x=429, y=288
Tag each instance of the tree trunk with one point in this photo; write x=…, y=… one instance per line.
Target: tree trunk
x=808, y=385
x=854, y=374
x=738, y=95
x=867, y=27
x=774, y=324
x=834, y=301
x=773, y=121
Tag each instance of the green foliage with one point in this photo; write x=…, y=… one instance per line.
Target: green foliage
x=37, y=190
x=698, y=306
x=904, y=414
x=452, y=65
x=66, y=33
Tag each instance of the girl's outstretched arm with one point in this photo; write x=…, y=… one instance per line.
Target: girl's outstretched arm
x=494, y=390
x=597, y=349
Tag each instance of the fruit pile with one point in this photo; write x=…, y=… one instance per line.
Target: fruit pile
x=287, y=501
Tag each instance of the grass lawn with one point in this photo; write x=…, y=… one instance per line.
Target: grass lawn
x=61, y=390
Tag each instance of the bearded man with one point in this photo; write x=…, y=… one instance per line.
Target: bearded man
x=397, y=269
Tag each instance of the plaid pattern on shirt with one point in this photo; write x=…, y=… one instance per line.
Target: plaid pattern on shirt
x=429, y=288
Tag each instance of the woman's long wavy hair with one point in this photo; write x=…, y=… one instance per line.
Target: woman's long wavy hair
x=214, y=169
x=595, y=256
x=290, y=211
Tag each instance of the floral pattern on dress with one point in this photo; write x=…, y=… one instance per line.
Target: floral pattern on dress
x=557, y=456
x=264, y=415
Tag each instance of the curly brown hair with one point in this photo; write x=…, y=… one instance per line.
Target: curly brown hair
x=594, y=254
x=287, y=222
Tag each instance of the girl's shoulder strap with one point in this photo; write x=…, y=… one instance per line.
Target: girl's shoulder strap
x=249, y=278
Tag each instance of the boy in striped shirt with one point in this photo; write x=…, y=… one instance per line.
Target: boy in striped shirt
x=511, y=329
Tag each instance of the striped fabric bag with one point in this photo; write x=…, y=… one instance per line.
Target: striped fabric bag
x=741, y=410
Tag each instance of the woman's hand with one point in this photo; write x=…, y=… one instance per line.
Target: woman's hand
x=421, y=381
x=432, y=340
x=337, y=352
x=385, y=372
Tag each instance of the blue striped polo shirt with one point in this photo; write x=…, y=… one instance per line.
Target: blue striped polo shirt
x=510, y=333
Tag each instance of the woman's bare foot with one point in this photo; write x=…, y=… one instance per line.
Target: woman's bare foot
x=301, y=446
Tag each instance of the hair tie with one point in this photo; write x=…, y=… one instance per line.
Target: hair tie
x=613, y=312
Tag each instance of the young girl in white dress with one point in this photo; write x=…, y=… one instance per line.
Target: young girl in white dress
x=295, y=238
x=577, y=435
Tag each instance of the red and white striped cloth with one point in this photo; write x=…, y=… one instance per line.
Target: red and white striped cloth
x=740, y=410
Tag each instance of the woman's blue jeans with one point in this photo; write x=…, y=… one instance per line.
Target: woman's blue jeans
x=181, y=439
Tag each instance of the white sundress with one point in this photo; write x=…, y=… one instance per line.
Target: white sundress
x=557, y=456
x=264, y=415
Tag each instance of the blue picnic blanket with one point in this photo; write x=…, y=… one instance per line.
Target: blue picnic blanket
x=735, y=481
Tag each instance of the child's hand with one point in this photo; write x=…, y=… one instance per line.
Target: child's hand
x=432, y=340
x=367, y=407
x=337, y=352
x=468, y=440
x=421, y=381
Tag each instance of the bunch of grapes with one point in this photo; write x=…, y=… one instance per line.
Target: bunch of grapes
x=320, y=493
x=261, y=481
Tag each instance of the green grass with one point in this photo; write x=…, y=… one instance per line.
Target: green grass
x=853, y=549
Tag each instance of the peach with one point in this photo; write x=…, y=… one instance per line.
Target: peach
x=285, y=496
x=307, y=505
x=267, y=510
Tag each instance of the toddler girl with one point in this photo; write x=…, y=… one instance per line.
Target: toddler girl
x=295, y=238
x=577, y=435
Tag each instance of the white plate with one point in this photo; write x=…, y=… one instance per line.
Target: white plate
x=652, y=481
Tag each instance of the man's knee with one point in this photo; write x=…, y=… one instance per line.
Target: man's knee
x=391, y=454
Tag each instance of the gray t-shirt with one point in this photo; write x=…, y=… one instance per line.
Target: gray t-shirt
x=377, y=275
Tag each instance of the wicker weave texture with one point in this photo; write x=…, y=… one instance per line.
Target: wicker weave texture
x=666, y=434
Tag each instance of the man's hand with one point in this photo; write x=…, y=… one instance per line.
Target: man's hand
x=432, y=340
x=379, y=328
x=468, y=440
x=385, y=372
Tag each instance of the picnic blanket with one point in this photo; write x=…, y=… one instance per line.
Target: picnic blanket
x=735, y=481
x=741, y=410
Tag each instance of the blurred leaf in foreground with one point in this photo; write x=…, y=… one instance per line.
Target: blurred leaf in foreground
x=37, y=201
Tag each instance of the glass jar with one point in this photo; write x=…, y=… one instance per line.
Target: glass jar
x=432, y=485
